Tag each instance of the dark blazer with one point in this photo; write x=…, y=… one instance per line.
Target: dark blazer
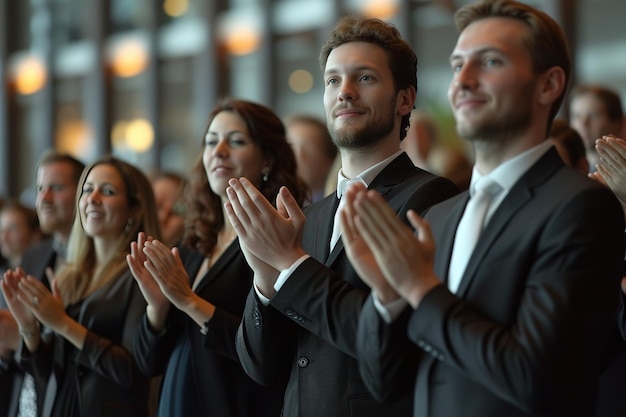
x=104, y=372
x=308, y=332
x=35, y=261
x=524, y=334
x=224, y=390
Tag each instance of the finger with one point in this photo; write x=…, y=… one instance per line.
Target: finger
x=232, y=217
x=422, y=228
x=177, y=258
x=49, y=274
x=381, y=221
x=294, y=212
x=244, y=205
x=135, y=267
x=242, y=219
x=261, y=204
x=6, y=289
x=609, y=156
x=55, y=289
x=618, y=147
x=159, y=255
x=605, y=174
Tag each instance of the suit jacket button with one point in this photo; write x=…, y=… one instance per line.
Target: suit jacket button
x=303, y=362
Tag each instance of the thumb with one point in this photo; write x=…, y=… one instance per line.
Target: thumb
x=288, y=206
x=55, y=288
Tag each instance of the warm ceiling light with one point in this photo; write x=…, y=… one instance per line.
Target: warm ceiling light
x=381, y=9
x=242, y=40
x=301, y=81
x=136, y=135
x=175, y=8
x=240, y=30
x=139, y=135
x=29, y=75
x=130, y=58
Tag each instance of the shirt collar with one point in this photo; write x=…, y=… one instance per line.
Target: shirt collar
x=510, y=171
x=366, y=177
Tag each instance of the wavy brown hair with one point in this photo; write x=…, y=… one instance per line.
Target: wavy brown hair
x=205, y=217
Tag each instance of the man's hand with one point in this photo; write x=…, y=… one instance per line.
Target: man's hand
x=357, y=250
x=405, y=260
x=272, y=237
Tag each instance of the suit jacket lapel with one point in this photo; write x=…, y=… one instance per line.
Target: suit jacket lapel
x=215, y=270
x=520, y=195
x=393, y=174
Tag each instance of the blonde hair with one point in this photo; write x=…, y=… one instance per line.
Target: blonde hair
x=82, y=275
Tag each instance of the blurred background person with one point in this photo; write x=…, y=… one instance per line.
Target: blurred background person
x=595, y=111
x=314, y=150
x=196, y=293
x=168, y=190
x=420, y=138
x=570, y=145
x=19, y=229
x=612, y=384
x=95, y=305
x=56, y=182
x=452, y=163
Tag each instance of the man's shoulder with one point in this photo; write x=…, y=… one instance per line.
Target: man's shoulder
x=40, y=248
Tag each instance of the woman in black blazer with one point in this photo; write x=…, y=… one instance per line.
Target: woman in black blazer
x=84, y=353
x=196, y=293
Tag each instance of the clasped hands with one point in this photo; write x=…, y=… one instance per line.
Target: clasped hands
x=611, y=169
x=384, y=251
x=161, y=277
x=32, y=303
x=392, y=259
x=270, y=238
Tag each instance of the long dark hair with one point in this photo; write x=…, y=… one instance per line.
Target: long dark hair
x=205, y=217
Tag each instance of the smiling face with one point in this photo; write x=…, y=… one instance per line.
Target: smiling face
x=56, y=194
x=230, y=152
x=103, y=204
x=492, y=92
x=360, y=97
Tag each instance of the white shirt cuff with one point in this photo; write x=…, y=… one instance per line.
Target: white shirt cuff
x=286, y=273
x=390, y=311
x=280, y=281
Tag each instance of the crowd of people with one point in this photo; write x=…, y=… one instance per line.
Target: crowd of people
x=245, y=288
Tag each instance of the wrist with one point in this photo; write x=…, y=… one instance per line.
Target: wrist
x=29, y=333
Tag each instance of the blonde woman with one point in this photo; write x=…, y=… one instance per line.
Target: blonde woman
x=84, y=356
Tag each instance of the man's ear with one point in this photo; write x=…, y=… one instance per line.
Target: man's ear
x=551, y=85
x=406, y=100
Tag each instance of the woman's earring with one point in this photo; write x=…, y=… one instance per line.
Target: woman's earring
x=129, y=224
x=266, y=173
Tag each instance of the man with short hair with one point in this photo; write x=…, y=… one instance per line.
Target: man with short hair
x=302, y=324
x=57, y=181
x=512, y=288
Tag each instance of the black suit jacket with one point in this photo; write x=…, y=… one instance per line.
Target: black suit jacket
x=524, y=334
x=308, y=332
x=104, y=372
x=223, y=388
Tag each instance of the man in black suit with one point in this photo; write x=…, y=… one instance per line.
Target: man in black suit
x=57, y=179
x=302, y=325
x=520, y=330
